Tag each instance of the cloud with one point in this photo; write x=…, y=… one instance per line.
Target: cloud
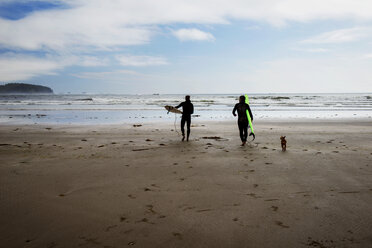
x=193, y=34
x=253, y=27
x=90, y=61
x=346, y=74
x=93, y=24
x=15, y=67
x=106, y=75
x=90, y=26
x=312, y=50
x=340, y=36
x=130, y=60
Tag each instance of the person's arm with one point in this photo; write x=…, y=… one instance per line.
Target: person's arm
x=179, y=105
x=234, y=110
x=192, y=108
x=250, y=112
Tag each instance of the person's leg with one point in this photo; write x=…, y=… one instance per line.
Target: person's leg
x=245, y=132
x=241, y=127
x=183, y=128
x=188, y=121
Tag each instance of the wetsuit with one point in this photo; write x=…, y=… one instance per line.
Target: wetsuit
x=187, y=111
x=243, y=119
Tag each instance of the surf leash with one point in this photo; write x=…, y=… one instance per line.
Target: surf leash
x=249, y=118
x=175, y=118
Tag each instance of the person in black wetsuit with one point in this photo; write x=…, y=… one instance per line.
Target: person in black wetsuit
x=187, y=111
x=242, y=108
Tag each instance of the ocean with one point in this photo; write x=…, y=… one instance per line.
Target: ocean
x=119, y=109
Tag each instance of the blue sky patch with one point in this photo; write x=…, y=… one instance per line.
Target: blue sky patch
x=19, y=10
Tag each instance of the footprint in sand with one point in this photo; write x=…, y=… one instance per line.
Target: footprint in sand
x=177, y=235
x=253, y=195
x=150, y=209
x=274, y=208
x=110, y=227
x=132, y=196
x=145, y=220
x=204, y=210
x=279, y=223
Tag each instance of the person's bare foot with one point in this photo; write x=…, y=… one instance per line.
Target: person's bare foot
x=183, y=137
x=243, y=144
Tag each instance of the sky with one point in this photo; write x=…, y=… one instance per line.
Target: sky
x=188, y=46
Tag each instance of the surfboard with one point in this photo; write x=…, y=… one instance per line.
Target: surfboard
x=249, y=118
x=172, y=109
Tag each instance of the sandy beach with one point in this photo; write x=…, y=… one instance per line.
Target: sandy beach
x=120, y=185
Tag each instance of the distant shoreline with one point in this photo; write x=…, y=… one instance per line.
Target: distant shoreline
x=21, y=88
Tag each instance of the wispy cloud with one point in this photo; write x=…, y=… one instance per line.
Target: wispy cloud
x=311, y=50
x=15, y=67
x=118, y=74
x=340, y=36
x=193, y=34
x=253, y=27
x=131, y=60
x=347, y=74
x=83, y=24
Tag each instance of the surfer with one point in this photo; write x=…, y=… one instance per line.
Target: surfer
x=188, y=110
x=242, y=108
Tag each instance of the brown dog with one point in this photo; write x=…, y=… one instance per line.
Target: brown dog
x=284, y=143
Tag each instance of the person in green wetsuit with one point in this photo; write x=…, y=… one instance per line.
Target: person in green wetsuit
x=242, y=108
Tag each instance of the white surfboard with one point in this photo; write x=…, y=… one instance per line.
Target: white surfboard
x=172, y=109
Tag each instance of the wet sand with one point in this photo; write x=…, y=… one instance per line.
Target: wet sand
x=119, y=186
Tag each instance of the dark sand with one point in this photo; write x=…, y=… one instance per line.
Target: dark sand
x=120, y=186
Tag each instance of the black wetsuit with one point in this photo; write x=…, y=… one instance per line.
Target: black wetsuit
x=243, y=119
x=187, y=111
